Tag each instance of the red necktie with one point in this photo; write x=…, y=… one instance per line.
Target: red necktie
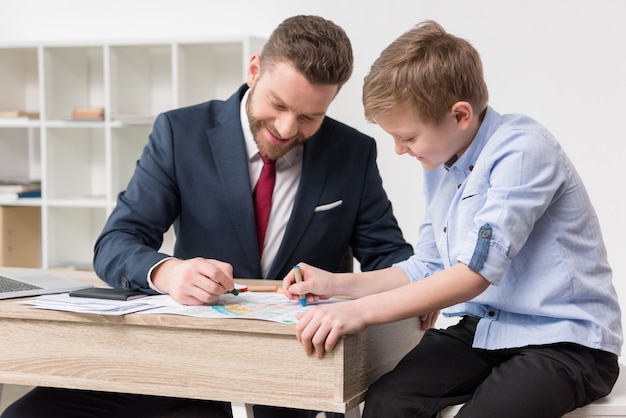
x=263, y=198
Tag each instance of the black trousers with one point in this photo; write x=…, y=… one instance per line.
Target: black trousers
x=44, y=402
x=535, y=381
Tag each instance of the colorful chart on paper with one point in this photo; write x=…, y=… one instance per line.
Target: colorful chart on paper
x=247, y=305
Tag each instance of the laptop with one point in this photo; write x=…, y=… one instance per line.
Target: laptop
x=17, y=283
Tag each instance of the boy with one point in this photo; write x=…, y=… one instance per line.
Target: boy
x=510, y=243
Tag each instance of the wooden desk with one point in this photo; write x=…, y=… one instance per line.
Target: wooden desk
x=233, y=360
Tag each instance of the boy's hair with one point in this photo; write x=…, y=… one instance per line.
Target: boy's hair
x=317, y=48
x=428, y=70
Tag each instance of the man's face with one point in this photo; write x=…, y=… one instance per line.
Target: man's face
x=284, y=108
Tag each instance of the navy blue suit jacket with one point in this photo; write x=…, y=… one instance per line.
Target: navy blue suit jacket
x=193, y=173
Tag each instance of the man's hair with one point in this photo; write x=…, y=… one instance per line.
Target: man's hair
x=428, y=70
x=316, y=47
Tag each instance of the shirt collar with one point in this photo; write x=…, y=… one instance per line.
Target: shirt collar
x=450, y=162
x=468, y=159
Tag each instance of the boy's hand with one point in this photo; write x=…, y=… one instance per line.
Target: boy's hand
x=316, y=284
x=428, y=320
x=320, y=328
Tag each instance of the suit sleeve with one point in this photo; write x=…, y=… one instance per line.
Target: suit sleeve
x=128, y=245
x=377, y=240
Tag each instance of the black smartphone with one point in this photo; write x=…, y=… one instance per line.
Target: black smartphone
x=107, y=293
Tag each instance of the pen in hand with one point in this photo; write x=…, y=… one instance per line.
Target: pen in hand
x=234, y=290
x=298, y=274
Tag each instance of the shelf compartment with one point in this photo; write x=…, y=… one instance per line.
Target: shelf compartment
x=20, y=236
x=19, y=79
x=76, y=163
x=73, y=76
x=21, y=153
x=146, y=71
x=72, y=233
x=209, y=71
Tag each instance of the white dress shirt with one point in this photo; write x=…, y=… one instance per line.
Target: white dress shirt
x=288, y=169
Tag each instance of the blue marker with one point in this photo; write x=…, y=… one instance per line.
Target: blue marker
x=296, y=271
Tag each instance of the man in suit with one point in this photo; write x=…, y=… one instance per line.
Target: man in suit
x=199, y=172
x=201, y=164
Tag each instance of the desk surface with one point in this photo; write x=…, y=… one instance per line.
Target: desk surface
x=234, y=360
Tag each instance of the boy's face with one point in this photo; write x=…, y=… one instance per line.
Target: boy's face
x=284, y=108
x=432, y=145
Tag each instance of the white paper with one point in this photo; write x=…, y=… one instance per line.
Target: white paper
x=267, y=306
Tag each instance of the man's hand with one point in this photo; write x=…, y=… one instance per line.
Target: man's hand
x=198, y=281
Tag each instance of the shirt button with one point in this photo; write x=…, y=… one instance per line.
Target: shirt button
x=491, y=313
x=445, y=229
x=471, y=167
x=458, y=186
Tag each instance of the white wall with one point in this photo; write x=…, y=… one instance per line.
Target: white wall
x=561, y=61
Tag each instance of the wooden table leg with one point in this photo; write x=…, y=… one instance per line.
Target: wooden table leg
x=353, y=413
x=242, y=410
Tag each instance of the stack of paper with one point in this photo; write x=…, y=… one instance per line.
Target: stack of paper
x=63, y=302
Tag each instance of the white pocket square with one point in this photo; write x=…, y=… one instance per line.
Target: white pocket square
x=328, y=206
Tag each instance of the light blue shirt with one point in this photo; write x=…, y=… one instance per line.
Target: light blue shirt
x=514, y=209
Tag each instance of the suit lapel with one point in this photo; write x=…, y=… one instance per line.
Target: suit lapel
x=312, y=180
x=229, y=155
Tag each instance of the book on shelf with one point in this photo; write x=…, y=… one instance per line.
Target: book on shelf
x=88, y=113
x=29, y=194
x=12, y=196
x=9, y=185
x=19, y=114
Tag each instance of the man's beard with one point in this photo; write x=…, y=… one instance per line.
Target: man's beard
x=267, y=148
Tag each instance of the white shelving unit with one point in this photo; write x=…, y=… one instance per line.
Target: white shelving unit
x=83, y=165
